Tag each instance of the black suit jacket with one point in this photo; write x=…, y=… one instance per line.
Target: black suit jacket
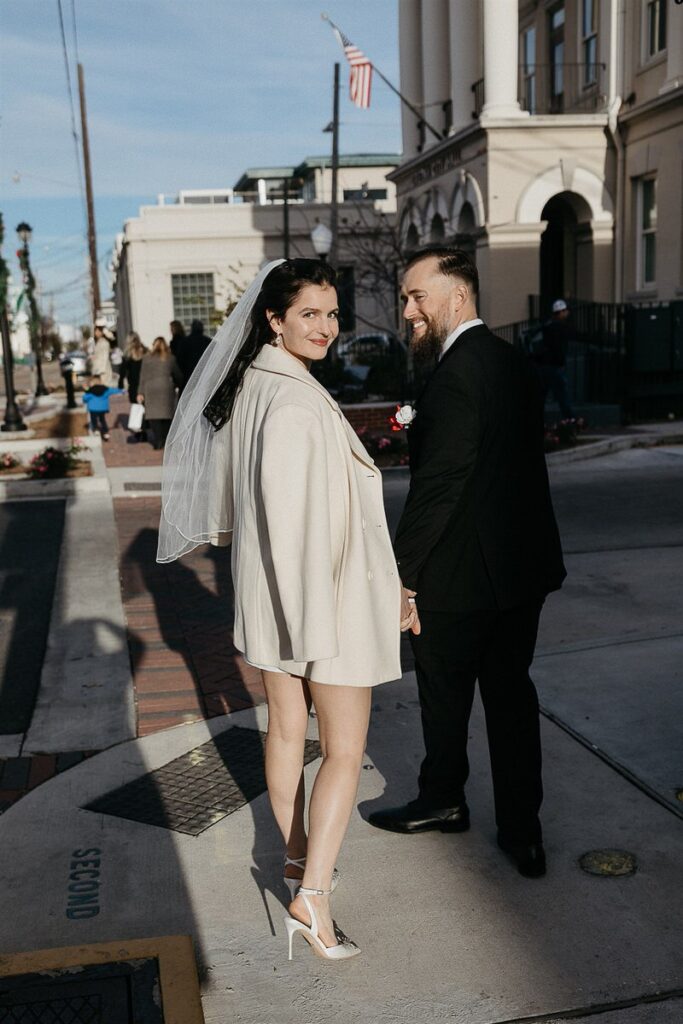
x=478, y=529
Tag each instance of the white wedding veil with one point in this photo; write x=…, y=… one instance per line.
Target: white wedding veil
x=195, y=502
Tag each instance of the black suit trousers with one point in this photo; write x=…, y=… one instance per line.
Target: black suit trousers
x=452, y=652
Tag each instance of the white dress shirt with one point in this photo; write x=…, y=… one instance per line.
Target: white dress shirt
x=454, y=335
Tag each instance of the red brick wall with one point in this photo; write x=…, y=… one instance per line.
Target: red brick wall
x=372, y=416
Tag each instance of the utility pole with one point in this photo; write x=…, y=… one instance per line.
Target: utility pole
x=285, y=215
x=334, y=211
x=92, y=236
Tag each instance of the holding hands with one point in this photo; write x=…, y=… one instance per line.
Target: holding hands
x=409, y=616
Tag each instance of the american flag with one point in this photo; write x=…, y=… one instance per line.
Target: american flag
x=360, y=82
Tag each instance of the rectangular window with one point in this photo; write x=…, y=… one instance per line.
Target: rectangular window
x=556, y=48
x=647, y=232
x=193, y=298
x=589, y=41
x=529, y=70
x=655, y=27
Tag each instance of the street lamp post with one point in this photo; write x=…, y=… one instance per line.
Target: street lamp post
x=13, y=421
x=322, y=239
x=24, y=231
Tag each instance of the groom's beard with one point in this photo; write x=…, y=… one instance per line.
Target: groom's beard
x=426, y=348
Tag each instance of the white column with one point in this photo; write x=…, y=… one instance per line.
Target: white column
x=674, y=46
x=410, y=58
x=463, y=20
x=436, y=76
x=501, y=56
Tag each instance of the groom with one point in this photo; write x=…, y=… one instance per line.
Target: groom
x=478, y=550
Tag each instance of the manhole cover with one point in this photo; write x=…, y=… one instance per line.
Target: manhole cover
x=200, y=788
x=126, y=992
x=609, y=863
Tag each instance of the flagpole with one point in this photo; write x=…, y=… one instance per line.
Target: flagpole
x=334, y=209
x=407, y=103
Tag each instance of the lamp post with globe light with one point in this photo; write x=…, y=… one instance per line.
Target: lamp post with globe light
x=13, y=421
x=25, y=231
x=321, y=237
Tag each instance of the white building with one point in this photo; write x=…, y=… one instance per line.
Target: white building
x=556, y=151
x=189, y=258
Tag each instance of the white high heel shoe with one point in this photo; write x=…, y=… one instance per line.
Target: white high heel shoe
x=294, y=883
x=344, y=949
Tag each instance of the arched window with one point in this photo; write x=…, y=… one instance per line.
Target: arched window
x=412, y=239
x=467, y=228
x=437, y=231
x=466, y=221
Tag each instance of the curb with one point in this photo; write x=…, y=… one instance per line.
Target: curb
x=16, y=490
x=608, y=445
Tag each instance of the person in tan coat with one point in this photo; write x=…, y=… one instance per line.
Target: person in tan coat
x=317, y=592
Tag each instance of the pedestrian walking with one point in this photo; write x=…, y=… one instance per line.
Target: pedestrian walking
x=552, y=357
x=133, y=354
x=192, y=348
x=177, y=338
x=478, y=550
x=116, y=359
x=96, y=399
x=159, y=378
x=100, y=360
x=266, y=459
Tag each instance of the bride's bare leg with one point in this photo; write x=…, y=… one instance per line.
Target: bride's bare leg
x=289, y=701
x=343, y=714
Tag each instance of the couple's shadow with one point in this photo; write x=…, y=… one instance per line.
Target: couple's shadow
x=193, y=602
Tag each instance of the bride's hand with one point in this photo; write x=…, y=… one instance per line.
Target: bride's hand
x=409, y=615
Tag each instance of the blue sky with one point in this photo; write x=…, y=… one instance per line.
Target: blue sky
x=179, y=95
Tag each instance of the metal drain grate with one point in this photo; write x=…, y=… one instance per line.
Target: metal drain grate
x=200, y=788
x=116, y=993
x=142, y=486
x=77, y=1010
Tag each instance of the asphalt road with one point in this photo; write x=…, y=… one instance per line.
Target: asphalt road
x=609, y=663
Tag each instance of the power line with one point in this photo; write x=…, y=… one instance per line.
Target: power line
x=75, y=32
x=74, y=132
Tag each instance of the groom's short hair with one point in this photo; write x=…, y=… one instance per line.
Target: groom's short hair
x=452, y=262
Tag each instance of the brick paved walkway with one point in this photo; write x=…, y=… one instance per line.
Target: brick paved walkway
x=179, y=616
x=179, y=620
x=19, y=775
x=122, y=449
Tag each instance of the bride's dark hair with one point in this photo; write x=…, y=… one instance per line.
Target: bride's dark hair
x=280, y=289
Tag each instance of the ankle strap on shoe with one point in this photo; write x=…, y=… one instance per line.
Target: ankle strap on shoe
x=303, y=891
x=296, y=862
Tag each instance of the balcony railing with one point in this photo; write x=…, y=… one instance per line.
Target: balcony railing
x=554, y=89
x=562, y=88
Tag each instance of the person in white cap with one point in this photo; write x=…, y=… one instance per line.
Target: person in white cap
x=552, y=358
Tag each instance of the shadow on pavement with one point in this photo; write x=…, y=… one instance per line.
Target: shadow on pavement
x=193, y=603
x=31, y=535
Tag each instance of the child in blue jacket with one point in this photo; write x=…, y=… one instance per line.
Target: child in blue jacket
x=96, y=399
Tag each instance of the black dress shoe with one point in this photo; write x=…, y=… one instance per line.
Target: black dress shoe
x=417, y=817
x=529, y=857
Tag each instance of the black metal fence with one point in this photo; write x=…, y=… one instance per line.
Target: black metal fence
x=620, y=354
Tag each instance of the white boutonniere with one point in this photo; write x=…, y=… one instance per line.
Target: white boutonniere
x=403, y=417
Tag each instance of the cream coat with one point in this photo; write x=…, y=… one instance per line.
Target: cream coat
x=317, y=592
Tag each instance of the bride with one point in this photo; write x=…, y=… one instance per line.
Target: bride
x=260, y=456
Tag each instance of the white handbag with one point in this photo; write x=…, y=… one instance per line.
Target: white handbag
x=136, y=416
